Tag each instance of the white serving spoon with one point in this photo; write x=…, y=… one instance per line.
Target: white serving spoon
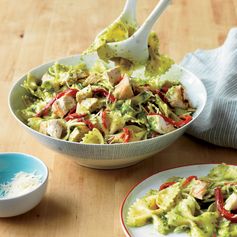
x=135, y=48
x=128, y=16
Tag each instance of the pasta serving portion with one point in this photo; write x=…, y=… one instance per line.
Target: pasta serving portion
x=200, y=206
x=103, y=105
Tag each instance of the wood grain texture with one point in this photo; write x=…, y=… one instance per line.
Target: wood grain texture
x=80, y=201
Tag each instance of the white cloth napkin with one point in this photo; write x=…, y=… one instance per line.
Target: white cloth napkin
x=217, y=68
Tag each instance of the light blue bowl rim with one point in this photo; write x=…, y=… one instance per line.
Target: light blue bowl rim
x=45, y=176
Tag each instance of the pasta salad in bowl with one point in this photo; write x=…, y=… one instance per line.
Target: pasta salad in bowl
x=102, y=115
x=103, y=105
x=108, y=113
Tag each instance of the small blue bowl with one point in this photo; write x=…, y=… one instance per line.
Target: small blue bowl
x=12, y=163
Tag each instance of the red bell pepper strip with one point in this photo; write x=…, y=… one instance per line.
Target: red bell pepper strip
x=71, y=92
x=105, y=93
x=187, y=119
x=89, y=124
x=103, y=117
x=167, y=119
x=220, y=206
x=165, y=89
x=74, y=116
x=120, y=79
x=166, y=185
x=45, y=110
x=126, y=135
x=188, y=180
x=72, y=110
x=80, y=118
x=178, y=124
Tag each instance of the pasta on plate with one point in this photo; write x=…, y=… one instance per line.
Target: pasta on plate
x=200, y=206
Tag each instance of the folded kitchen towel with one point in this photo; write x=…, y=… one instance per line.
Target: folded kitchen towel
x=217, y=68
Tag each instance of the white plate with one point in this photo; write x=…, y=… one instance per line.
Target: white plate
x=154, y=182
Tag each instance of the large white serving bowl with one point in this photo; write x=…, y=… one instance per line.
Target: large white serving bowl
x=109, y=156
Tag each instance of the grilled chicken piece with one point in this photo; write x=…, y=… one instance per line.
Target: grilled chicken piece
x=92, y=79
x=158, y=124
x=53, y=128
x=176, y=97
x=123, y=90
x=113, y=75
x=199, y=189
x=87, y=105
x=231, y=202
x=78, y=133
x=84, y=93
x=63, y=105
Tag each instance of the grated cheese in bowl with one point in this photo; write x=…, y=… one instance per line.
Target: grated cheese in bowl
x=20, y=184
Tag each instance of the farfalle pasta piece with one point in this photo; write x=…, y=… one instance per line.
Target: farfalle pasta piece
x=161, y=224
x=117, y=121
x=223, y=172
x=185, y=214
x=196, y=231
x=78, y=133
x=137, y=133
x=93, y=137
x=182, y=212
x=226, y=229
x=140, y=212
x=206, y=222
x=166, y=197
x=71, y=125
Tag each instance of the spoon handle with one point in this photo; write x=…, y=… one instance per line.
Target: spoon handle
x=128, y=14
x=152, y=18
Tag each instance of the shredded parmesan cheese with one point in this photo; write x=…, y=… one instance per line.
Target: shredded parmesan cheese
x=20, y=184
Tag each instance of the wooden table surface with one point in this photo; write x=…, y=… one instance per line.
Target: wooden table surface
x=81, y=201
